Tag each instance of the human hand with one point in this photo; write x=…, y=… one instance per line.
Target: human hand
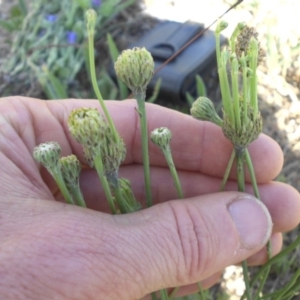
x=51, y=250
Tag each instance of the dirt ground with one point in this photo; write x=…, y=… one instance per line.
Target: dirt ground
x=278, y=77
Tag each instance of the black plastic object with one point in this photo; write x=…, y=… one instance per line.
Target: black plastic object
x=178, y=76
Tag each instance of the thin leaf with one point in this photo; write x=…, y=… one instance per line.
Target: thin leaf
x=156, y=90
x=200, y=86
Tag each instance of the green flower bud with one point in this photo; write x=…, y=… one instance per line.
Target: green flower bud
x=91, y=18
x=70, y=169
x=161, y=137
x=112, y=153
x=221, y=26
x=135, y=67
x=244, y=135
x=203, y=109
x=48, y=155
x=88, y=154
x=87, y=126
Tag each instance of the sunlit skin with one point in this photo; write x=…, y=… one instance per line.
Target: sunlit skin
x=52, y=250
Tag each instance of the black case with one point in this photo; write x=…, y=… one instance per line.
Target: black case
x=178, y=76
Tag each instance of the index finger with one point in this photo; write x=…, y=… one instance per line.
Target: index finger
x=196, y=146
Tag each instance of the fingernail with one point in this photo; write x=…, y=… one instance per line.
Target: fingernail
x=252, y=220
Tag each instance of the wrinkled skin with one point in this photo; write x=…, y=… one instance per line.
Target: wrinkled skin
x=51, y=250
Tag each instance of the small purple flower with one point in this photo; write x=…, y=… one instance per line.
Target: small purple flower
x=71, y=37
x=96, y=3
x=51, y=18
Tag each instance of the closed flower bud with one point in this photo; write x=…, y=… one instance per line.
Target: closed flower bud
x=91, y=18
x=48, y=155
x=203, y=109
x=112, y=153
x=87, y=126
x=135, y=67
x=161, y=137
x=70, y=169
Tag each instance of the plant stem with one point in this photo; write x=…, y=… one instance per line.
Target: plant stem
x=62, y=186
x=100, y=171
x=95, y=85
x=140, y=97
x=75, y=191
x=164, y=294
x=119, y=198
x=256, y=193
x=227, y=172
x=246, y=279
x=153, y=296
x=240, y=170
x=168, y=156
x=241, y=187
x=174, y=292
x=201, y=293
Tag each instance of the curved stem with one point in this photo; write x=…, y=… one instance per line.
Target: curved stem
x=75, y=190
x=95, y=85
x=62, y=186
x=168, y=156
x=100, y=171
x=119, y=198
x=140, y=97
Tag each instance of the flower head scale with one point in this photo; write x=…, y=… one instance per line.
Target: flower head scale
x=135, y=67
x=87, y=126
x=48, y=155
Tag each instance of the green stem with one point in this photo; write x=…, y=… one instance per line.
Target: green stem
x=257, y=195
x=119, y=198
x=100, y=171
x=235, y=91
x=164, y=294
x=227, y=172
x=282, y=292
x=246, y=279
x=241, y=188
x=245, y=91
x=140, y=97
x=95, y=85
x=174, y=292
x=201, y=292
x=153, y=296
x=168, y=156
x=275, y=259
x=75, y=191
x=240, y=170
x=62, y=186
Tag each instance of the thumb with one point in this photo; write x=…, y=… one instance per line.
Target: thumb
x=181, y=242
x=66, y=252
